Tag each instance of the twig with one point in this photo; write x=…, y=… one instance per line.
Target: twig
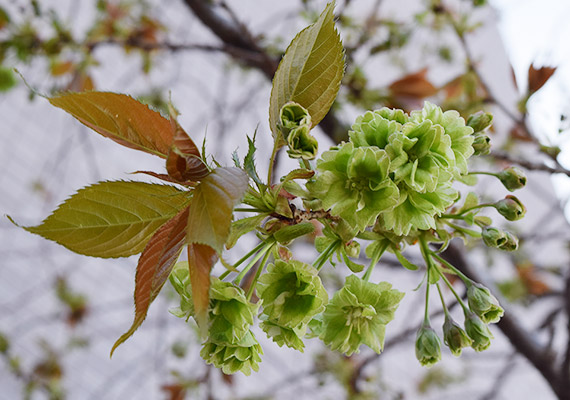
x=532, y=166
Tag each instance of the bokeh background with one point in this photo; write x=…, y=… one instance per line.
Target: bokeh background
x=60, y=312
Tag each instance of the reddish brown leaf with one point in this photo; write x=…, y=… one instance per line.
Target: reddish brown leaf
x=120, y=118
x=538, y=77
x=61, y=68
x=520, y=133
x=174, y=391
x=413, y=85
x=154, y=267
x=184, y=162
x=532, y=281
x=201, y=258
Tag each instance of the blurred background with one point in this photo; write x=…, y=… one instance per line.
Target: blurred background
x=60, y=312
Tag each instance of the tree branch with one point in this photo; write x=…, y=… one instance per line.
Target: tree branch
x=236, y=35
x=534, y=166
x=519, y=337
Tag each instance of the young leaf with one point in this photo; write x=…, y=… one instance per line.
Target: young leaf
x=243, y=226
x=310, y=71
x=212, y=206
x=413, y=85
x=201, y=258
x=184, y=162
x=112, y=219
x=154, y=267
x=405, y=263
x=120, y=118
x=249, y=162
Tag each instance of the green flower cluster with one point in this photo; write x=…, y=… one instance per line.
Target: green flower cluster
x=396, y=166
x=230, y=345
x=357, y=314
x=292, y=294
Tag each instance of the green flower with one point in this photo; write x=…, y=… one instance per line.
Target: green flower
x=231, y=314
x=292, y=293
x=455, y=337
x=374, y=127
x=354, y=184
x=417, y=210
x=483, y=303
x=290, y=337
x=357, y=314
x=421, y=156
x=242, y=356
x=454, y=126
x=291, y=116
x=428, y=346
x=478, y=331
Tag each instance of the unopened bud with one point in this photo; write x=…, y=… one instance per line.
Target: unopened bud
x=511, y=208
x=483, y=303
x=481, y=144
x=512, y=242
x=428, y=346
x=293, y=115
x=455, y=337
x=352, y=248
x=480, y=121
x=478, y=331
x=302, y=144
x=499, y=239
x=512, y=178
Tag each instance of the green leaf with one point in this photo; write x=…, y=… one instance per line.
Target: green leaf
x=310, y=72
x=154, y=267
x=249, y=162
x=112, y=219
x=405, y=263
x=120, y=118
x=470, y=201
x=212, y=206
x=243, y=226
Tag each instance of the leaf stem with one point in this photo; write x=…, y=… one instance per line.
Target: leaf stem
x=266, y=247
x=307, y=164
x=248, y=209
x=445, y=310
x=271, y=162
x=482, y=173
x=429, y=266
x=373, y=261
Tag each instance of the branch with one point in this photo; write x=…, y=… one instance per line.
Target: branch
x=522, y=341
x=236, y=35
x=534, y=166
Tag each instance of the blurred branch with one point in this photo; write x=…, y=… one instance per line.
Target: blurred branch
x=235, y=34
x=522, y=340
x=565, y=368
x=533, y=166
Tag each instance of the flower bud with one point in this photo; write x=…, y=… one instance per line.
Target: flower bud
x=455, y=337
x=512, y=242
x=481, y=144
x=302, y=144
x=480, y=121
x=483, y=303
x=428, y=346
x=512, y=178
x=352, y=248
x=478, y=331
x=494, y=237
x=293, y=115
x=4, y=344
x=511, y=208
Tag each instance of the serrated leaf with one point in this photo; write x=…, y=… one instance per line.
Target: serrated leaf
x=112, y=219
x=120, y=118
x=243, y=226
x=184, y=162
x=249, y=163
x=154, y=267
x=201, y=259
x=405, y=263
x=213, y=202
x=310, y=72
